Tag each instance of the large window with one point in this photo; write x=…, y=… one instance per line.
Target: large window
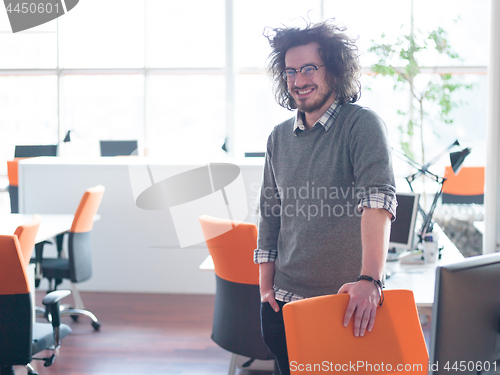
x=183, y=77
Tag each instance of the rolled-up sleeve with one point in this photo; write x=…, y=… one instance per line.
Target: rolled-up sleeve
x=384, y=201
x=263, y=256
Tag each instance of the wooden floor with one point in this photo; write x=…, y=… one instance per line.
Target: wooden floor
x=140, y=334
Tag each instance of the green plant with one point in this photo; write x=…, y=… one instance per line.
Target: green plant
x=400, y=60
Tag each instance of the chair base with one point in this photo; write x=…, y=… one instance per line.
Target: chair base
x=31, y=370
x=73, y=313
x=240, y=361
x=232, y=365
x=9, y=370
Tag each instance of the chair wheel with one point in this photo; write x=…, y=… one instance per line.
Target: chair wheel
x=47, y=362
x=74, y=318
x=96, y=325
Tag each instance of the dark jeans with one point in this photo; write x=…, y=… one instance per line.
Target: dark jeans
x=273, y=333
x=7, y=370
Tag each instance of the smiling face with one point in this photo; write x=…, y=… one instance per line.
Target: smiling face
x=312, y=96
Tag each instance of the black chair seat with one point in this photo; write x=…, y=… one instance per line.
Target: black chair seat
x=56, y=268
x=236, y=325
x=43, y=335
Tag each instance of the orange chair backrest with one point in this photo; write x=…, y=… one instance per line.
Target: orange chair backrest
x=316, y=337
x=89, y=204
x=232, y=251
x=13, y=171
x=469, y=181
x=13, y=276
x=26, y=235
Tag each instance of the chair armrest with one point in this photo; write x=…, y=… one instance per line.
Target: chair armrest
x=38, y=262
x=59, y=243
x=59, y=239
x=39, y=251
x=55, y=296
x=52, y=301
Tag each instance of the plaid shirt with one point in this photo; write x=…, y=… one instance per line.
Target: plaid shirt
x=378, y=200
x=326, y=120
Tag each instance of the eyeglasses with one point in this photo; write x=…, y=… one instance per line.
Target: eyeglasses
x=308, y=71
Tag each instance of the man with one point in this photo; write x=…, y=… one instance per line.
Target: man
x=328, y=192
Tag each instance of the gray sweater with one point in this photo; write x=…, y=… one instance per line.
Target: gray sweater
x=313, y=182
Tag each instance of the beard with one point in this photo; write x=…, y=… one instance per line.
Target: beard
x=308, y=106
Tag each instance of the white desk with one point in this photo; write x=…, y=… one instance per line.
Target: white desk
x=421, y=278
x=208, y=264
x=479, y=225
x=51, y=225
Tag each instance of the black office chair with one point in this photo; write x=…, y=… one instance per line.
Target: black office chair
x=78, y=266
x=31, y=151
x=236, y=325
x=20, y=339
x=118, y=148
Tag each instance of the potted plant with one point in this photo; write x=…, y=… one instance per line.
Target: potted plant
x=399, y=59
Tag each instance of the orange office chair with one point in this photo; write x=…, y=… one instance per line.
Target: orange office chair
x=236, y=325
x=316, y=337
x=13, y=175
x=78, y=266
x=26, y=235
x=465, y=187
x=19, y=337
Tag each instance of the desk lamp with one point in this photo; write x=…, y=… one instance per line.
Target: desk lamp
x=67, y=138
x=456, y=159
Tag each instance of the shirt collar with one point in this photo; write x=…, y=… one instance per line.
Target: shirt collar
x=326, y=120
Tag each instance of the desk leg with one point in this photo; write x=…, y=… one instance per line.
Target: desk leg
x=31, y=280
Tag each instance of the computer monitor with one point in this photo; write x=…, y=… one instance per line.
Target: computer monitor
x=31, y=151
x=403, y=228
x=118, y=148
x=465, y=317
x=255, y=154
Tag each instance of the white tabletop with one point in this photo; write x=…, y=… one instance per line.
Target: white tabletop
x=479, y=225
x=208, y=264
x=421, y=278
x=51, y=225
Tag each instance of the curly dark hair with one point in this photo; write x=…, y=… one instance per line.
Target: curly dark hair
x=337, y=50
